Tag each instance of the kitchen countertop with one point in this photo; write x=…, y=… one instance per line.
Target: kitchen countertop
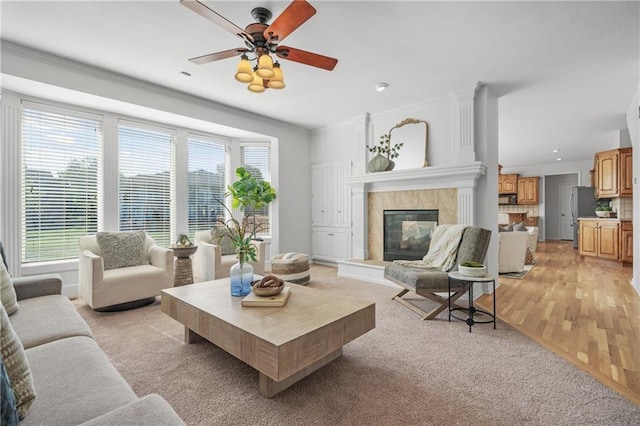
x=614, y=219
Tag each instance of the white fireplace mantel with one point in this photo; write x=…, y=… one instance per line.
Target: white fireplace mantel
x=463, y=177
x=432, y=177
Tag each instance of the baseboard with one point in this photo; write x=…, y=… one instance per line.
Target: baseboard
x=71, y=291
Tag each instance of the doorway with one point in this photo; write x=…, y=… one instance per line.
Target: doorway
x=566, y=219
x=556, y=204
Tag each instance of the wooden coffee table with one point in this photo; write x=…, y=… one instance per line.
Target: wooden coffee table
x=284, y=344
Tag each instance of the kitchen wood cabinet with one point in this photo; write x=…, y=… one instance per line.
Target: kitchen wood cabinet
x=626, y=242
x=613, y=173
x=626, y=172
x=603, y=239
x=507, y=184
x=528, y=190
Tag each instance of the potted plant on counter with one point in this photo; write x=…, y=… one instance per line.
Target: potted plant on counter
x=603, y=209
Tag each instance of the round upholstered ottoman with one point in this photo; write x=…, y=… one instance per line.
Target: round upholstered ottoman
x=291, y=267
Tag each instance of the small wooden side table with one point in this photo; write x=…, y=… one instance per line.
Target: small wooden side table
x=183, y=266
x=471, y=310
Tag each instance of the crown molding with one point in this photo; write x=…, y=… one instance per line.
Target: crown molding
x=8, y=47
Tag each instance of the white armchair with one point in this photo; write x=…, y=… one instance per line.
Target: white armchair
x=210, y=264
x=512, y=251
x=126, y=287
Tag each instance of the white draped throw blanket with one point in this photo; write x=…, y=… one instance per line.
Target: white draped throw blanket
x=442, y=250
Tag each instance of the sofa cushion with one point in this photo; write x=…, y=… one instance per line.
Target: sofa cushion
x=220, y=236
x=17, y=365
x=8, y=410
x=76, y=383
x=45, y=319
x=150, y=410
x=122, y=249
x=7, y=292
x=519, y=226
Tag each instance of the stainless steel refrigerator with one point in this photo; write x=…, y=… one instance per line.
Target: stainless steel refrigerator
x=583, y=202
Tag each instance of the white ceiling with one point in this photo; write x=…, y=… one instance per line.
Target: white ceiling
x=565, y=72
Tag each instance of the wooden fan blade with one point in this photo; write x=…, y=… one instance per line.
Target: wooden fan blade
x=291, y=18
x=216, y=18
x=307, y=58
x=205, y=59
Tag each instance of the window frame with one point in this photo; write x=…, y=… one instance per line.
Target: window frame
x=26, y=104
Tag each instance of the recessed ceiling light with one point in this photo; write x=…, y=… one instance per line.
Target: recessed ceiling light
x=556, y=150
x=381, y=86
x=558, y=159
x=184, y=73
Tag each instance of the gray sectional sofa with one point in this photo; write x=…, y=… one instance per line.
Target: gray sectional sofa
x=74, y=380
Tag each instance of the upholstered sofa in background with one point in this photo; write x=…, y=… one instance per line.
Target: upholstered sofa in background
x=213, y=260
x=75, y=383
x=105, y=288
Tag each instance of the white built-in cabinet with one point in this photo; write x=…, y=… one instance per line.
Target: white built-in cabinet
x=331, y=211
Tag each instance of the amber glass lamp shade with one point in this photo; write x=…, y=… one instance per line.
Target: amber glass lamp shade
x=256, y=86
x=244, y=74
x=277, y=81
x=265, y=66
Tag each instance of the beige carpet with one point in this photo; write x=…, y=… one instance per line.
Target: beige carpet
x=405, y=372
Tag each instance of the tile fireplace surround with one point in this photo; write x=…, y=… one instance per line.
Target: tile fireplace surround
x=450, y=189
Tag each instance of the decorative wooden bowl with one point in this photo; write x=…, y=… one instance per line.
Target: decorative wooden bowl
x=266, y=291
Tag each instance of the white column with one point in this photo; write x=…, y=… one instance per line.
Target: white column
x=181, y=198
x=10, y=178
x=360, y=212
x=108, y=218
x=362, y=129
x=463, y=125
x=466, y=205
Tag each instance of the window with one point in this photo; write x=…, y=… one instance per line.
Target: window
x=146, y=181
x=207, y=182
x=256, y=159
x=60, y=154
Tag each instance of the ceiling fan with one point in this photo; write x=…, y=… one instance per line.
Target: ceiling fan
x=262, y=40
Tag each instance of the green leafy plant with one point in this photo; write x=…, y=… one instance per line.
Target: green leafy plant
x=241, y=238
x=246, y=192
x=472, y=264
x=603, y=207
x=384, y=147
x=252, y=193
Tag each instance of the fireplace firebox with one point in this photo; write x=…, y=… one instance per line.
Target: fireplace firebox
x=407, y=233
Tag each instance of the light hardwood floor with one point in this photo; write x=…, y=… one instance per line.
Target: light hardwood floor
x=584, y=310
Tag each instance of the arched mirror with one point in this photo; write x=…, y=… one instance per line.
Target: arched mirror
x=414, y=134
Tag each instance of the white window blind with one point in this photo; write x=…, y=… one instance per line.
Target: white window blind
x=60, y=154
x=256, y=159
x=207, y=182
x=146, y=159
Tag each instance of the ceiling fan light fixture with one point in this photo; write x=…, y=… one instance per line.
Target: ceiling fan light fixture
x=265, y=66
x=277, y=81
x=257, y=85
x=244, y=74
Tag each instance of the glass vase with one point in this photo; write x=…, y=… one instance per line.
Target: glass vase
x=241, y=277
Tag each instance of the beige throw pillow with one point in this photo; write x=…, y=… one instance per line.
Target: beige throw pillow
x=122, y=249
x=7, y=292
x=17, y=366
x=220, y=237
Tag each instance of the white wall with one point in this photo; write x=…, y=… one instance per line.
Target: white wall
x=339, y=142
x=293, y=205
